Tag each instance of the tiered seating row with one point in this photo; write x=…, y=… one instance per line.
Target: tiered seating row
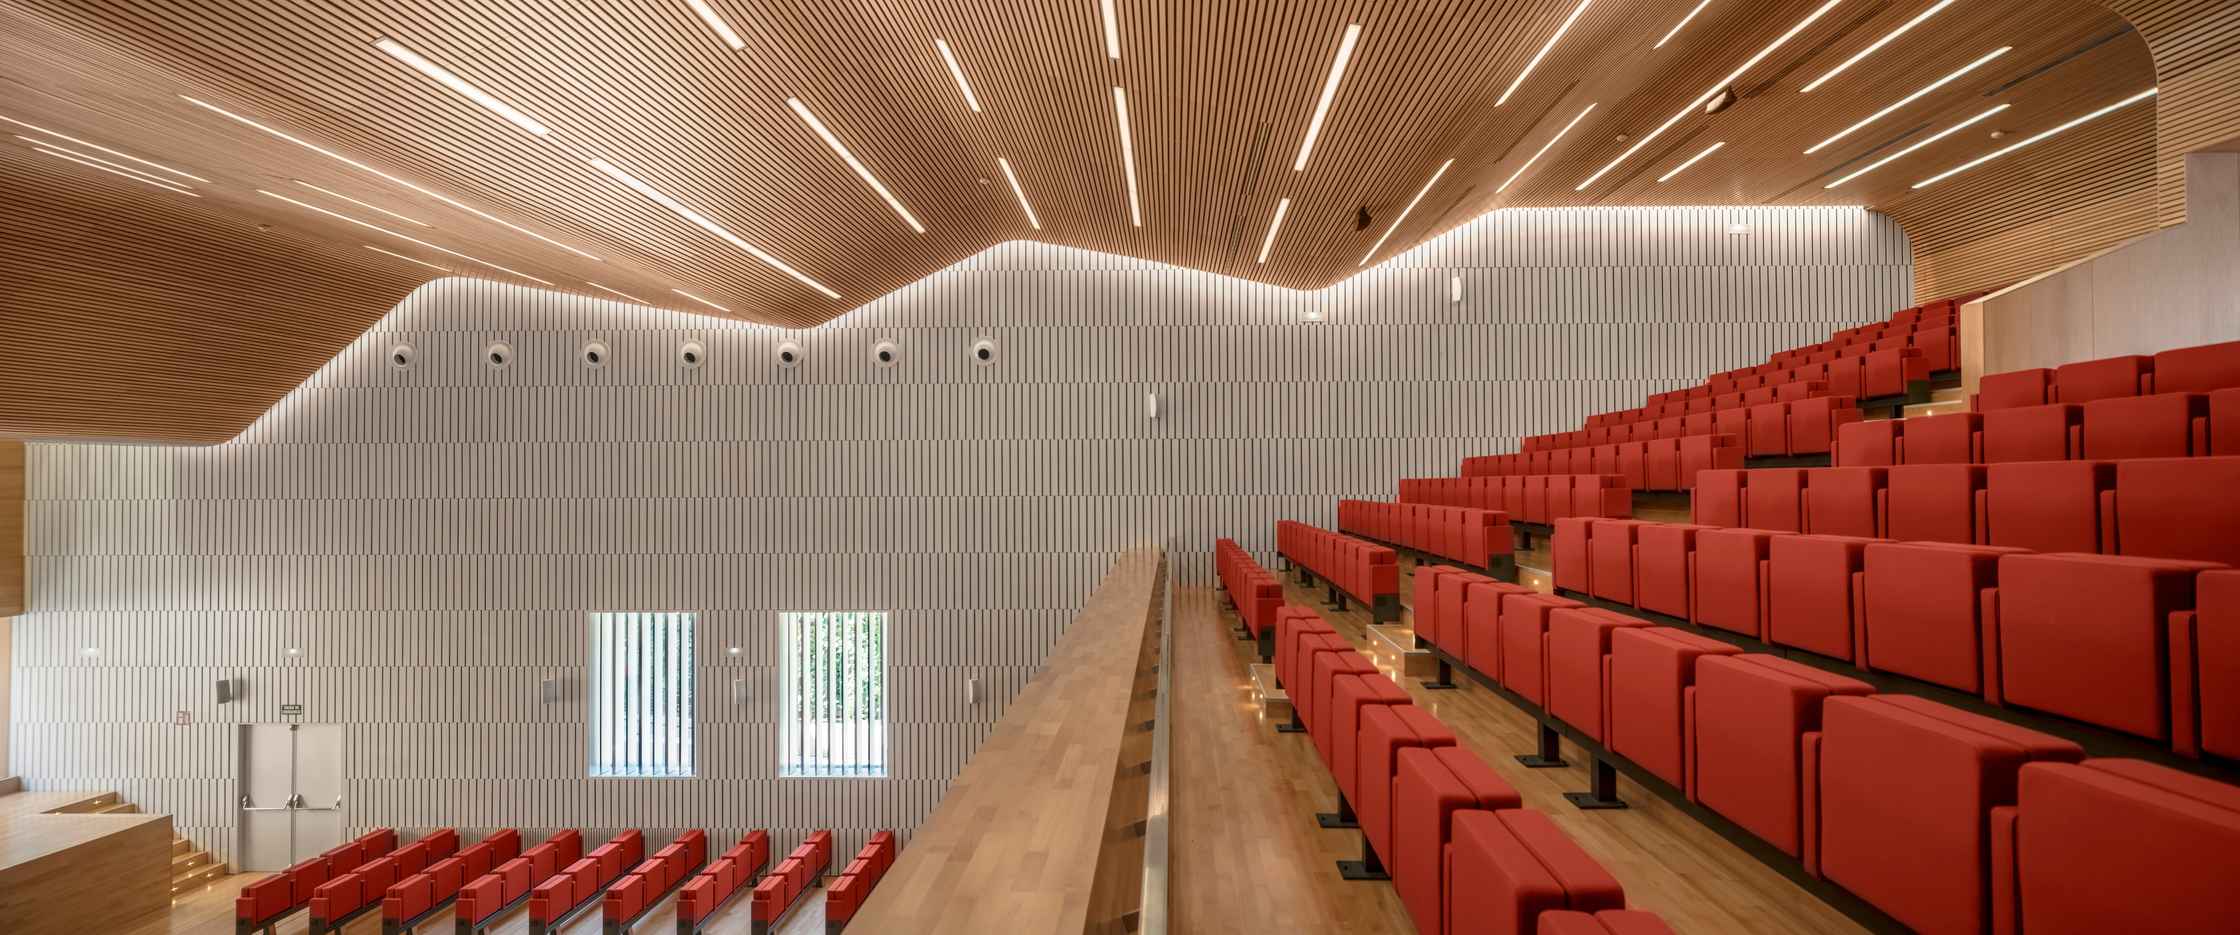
x=577, y=887
x=638, y=891
x=262, y=904
x=1797, y=418
x=1475, y=536
x=1255, y=591
x=1365, y=570
x=732, y=872
x=347, y=895
x=2132, y=645
x=487, y=897
x=2181, y=508
x=846, y=894
x=1462, y=852
x=1539, y=499
x=1653, y=464
x=427, y=892
x=801, y=871
x=1937, y=818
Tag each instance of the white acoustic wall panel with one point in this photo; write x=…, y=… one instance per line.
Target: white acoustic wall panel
x=432, y=538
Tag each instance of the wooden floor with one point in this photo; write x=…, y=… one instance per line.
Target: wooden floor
x=1248, y=856
x=210, y=912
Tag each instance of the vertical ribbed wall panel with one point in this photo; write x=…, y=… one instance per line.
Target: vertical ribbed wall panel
x=432, y=538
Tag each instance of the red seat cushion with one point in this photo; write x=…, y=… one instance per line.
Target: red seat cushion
x=2206, y=661
x=1845, y=501
x=1717, y=500
x=1773, y=498
x=1385, y=731
x=1932, y=502
x=1924, y=610
x=2086, y=636
x=2164, y=425
x=2014, y=389
x=1814, y=423
x=1610, y=548
x=1507, y=867
x=2046, y=506
x=1651, y=668
x=2125, y=846
x=1578, y=640
x=1339, y=743
x=1481, y=616
x=2106, y=378
x=1810, y=594
x=1430, y=784
x=1941, y=439
x=1664, y=551
x=2033, y=433
x=2179, y=508
x=2200, y=369
x=1727, y=578
x=1751, y=715
x=1524, y=626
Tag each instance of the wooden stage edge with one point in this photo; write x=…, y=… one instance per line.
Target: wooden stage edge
x=1043, y=830
x=72, y=872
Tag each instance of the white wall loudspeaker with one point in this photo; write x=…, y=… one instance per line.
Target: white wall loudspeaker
x=886, y=354
x=498, y=355
x=402, y=356
x=595, y=355
x=789, y=355
x=984, y=351
x=691, y=355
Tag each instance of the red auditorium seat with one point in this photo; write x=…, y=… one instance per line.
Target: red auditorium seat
x=1425, y=610
x=1610, y=547
x=2106, y=378
x=2164, y=425
x=1718, y=498
x=1570, y=554
x=1892, y=371
x=1294, y=624
x=1661, y=464
x=1339, y=741
x=1385, y=731
x=1940, y=347
x=2200, y=369
x=2014, y=389
x=1664, y=554
x=1652, y=669
x=1847, y=375
x=1700, y=453
x=1811, y=597
x=1578, y=642
x=1751, y=715
x=1931, y=502
x=1481, y=615
x=2051, y=432
x=1524, y=628
x=1902, y=790
x=1606, y=922
x=1507, y=867
x=1453, y=597
x=2179, y=508
x=2116, y=846
x=1773, y=499
x=2224, y=422
x=1728, y=579
x=1944, y=439
x=1431, y=784
x=2047, y=506
x=1313, y=705
x=1769, y=429
x=1923, y=612
x=1845, y=501
x=2086, y=637
x=1814, y=423
x=2205, y=668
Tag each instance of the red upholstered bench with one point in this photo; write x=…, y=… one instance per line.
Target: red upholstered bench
x=1431, y=784
x=1505, y=868
x=2116, y=846
x=1752, y=714
x=1652, y=671
x=1899, y=811
x=2086, y=637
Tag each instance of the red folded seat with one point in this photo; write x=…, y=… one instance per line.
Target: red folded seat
x=2052, y=432
x=844, y=897
x=1452, y=597
x=1753, y=716
x=1664, y=553
x=1323, y=670
x=1431, y=784
x=2199, y=369
x=2116, y=846
x=1571, y=551
x=1578, y=647
x=1718, y=497
x=1423, y=613
x=2179, y=508
x=1923, y=614
x=1845, y=501
x=1904, y=793
x=2086, y=637
x=1814, y=423
x=1294, y=625
x=1892, y=371
x=1769, y=429
x=1651, y=671
x=1932, y=502
x=1505, y=868
x=1481, y=621
x=1700, y=452
x=1952, y=438
x=2013, y=390
x=1340, y=743
x=1660, y=464
x=1524, y=626
x=2205, y=668
x=1773, y=498
x=2106, y=378
x=1869, y=443
x=2164, y=425
x=1812, y=594
x=1385, y=731
x=2047, y=506
x=1610, y=546
x=1729, y=580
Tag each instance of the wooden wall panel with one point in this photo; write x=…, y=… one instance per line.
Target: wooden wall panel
x=431, y=538
x=2196, y=45
x=116, y=869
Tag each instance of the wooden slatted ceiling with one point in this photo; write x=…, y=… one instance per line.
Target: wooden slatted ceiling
x=1221, y=94
x=2196, y=46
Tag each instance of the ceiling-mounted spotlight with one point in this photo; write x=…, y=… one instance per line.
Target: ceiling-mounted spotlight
x=1720, y=101
x=1361, y=218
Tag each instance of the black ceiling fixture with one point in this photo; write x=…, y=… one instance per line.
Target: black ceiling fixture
x=1361, y=218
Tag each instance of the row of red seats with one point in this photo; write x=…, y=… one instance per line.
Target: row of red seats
x=265, y=902
x=346, y=895
x=1365, y=570
x=801, y=871
x=2169, y=425
x=434, y=888
x=577, y=886
x=487, y=896
x=2129, y=644
x=639, y=890
x=1538, y=499
x=1944, y=820
x=2203, y=368
x=1658, y=464
x=732, y=872
x=1808, y=426
x=1461, y=850
x=1475, y=536
x=1670, y=419
x=846, y=894
x=1255, y=591
x=2153, y=507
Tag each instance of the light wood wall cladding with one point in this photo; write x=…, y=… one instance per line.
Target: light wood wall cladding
x=2196, y=45
x=1220, y=97
x=114, y=869
x=432, y=538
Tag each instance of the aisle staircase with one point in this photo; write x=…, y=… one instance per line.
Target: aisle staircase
x=191, y=866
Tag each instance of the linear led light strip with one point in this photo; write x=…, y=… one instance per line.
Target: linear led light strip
x=1127, y=154
x=700, y=300
x=957, y=71
x=1994, y=154
x=1682, y=24
x=850, y=158
x=1550, y=144
x=408, y=259
x=1692, y=160
x=1707, y=95
x=1329, y=93
x=708, y=15
x=73, y=139
x=1910, y=98
x=406, y=238
x=1893, y=157
x=655, y=195
x=1111, y=30
x=1282, y=208
x=444, y=77
x=335, y=194
x=1018, y=192
x=362, y=167
x=1878, y=43
x=1543, y=53
x=1396, y=222
x=612, y=290
x=113, y=169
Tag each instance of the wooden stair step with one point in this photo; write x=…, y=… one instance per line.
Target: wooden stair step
x=120, y=808
x=188, y=861
x=180, y=845
x=197, y=876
